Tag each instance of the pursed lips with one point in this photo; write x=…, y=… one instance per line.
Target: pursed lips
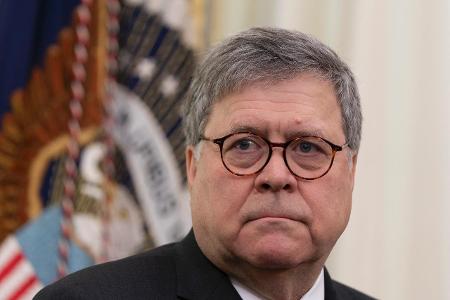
x=274, y=215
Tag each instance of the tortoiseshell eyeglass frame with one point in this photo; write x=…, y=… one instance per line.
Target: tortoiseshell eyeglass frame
x=220, y=142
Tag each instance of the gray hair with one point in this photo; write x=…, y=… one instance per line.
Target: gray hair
x=268, y=55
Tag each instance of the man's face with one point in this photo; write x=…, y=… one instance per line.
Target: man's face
x=271, y=220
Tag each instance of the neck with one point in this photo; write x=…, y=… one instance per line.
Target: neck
x=277, y=284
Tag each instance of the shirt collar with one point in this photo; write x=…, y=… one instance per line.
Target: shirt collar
x=317, y=292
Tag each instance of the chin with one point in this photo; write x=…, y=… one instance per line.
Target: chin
x=275, y=244
x=273, y=262
x=278, y=255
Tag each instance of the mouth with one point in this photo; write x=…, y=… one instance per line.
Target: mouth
x=273, y=217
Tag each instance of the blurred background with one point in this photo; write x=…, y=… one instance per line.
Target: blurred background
x=397, y=244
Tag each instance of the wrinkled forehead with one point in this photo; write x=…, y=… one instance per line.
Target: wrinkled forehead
x=262, y=80
x=306, y=102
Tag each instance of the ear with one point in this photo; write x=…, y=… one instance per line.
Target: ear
x=353, y=169
x=191, y=165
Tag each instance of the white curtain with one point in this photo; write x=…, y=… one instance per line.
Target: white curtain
x=397, y=245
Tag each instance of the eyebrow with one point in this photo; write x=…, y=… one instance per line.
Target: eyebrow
x=289, y=134
x=247, y=128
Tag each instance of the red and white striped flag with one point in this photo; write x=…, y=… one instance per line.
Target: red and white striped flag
x=18, y=278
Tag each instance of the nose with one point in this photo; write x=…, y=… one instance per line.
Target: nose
x=276, y=175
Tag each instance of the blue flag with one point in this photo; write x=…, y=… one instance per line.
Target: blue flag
x=149, y=203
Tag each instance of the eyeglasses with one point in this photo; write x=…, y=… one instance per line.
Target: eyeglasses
x=307, y=157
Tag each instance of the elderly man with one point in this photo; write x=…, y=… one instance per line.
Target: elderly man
x=273, y=126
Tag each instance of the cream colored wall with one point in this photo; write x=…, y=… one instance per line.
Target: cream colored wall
x=397, y=245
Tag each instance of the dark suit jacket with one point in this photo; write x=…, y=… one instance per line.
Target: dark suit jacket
x=174, y=271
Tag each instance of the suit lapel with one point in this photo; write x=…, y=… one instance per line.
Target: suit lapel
x=197, y=277
x=330, y=292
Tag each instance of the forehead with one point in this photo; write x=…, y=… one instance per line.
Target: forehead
x=305, y=104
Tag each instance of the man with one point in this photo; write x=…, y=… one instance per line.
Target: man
x=273, y=127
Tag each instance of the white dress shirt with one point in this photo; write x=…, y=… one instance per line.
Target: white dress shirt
x=317, y=292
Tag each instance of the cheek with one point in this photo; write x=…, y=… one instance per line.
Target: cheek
x=217, y=197
x=330, y=201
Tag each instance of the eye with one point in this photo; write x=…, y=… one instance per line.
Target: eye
x=309, y=146
x=244, y=144
x=306, y=147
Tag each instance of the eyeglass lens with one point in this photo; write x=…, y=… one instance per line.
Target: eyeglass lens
x=307, y=157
